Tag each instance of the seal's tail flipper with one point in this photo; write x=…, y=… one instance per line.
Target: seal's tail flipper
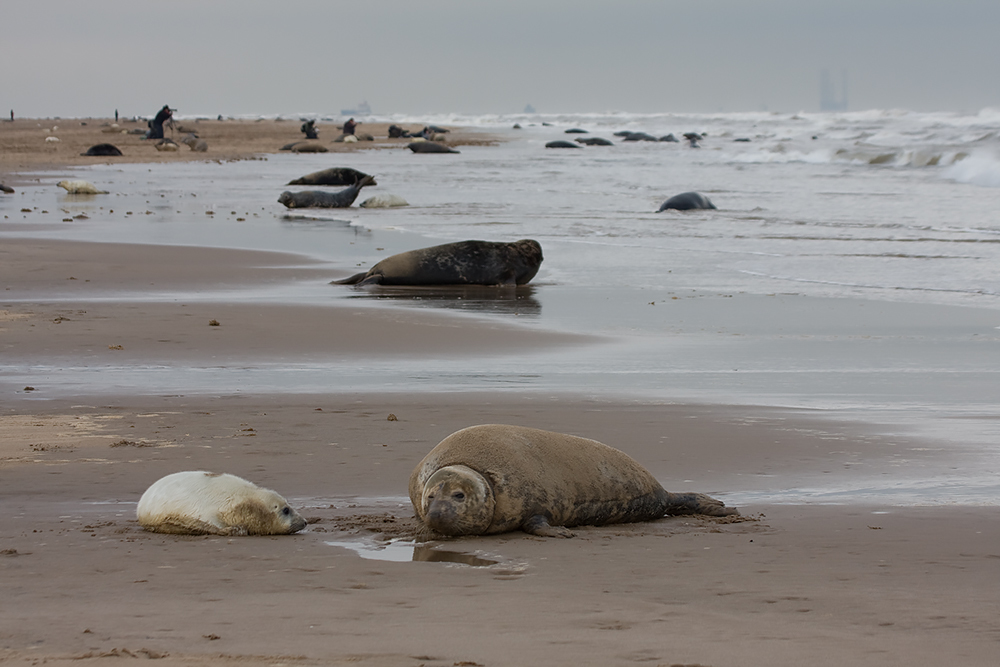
x=353, y=280
x=697, y=503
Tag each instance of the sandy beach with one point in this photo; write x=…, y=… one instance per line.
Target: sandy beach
x=788, y=584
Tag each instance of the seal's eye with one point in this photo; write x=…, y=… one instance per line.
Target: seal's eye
x=286, y=511
x=458, y=495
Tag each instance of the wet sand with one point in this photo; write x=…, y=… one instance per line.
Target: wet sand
x=790, y=585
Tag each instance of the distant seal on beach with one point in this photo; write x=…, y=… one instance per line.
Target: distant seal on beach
x=384, y=201
x=319, y=199
x=194, y=143
x=640, y=136
x=594, y=141
x=693, y=139
x=80, y=188
x=576, y=130
x=166, y=145
x=6, y=189
x=561, y=144
x=196, y=502
x=670, y=138
x=496, y=478
x=103, y=150
x=687, y=201
x=305, y=147
x=430, y=147
x=331, y=176
x=461, y=263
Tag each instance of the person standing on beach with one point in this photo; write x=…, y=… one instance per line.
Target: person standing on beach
x=309, y=128
x=156, y=125
x=349, y=126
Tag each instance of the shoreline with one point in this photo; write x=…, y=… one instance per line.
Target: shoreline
x=25, y=151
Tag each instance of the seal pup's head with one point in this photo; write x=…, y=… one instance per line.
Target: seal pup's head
x=457, y=500
x=264, y=513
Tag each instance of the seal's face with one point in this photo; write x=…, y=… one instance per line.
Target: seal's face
x=530, y=255
x=457, y=500
x=266, y=514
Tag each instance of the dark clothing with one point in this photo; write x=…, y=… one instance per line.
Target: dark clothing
x=309, y=127
x=349, y=126
x=156, y=125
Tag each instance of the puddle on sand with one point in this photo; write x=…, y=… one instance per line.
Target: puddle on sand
x=404, y=551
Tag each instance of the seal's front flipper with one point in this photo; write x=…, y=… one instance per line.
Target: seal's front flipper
x=539, y=525
x=697, y=503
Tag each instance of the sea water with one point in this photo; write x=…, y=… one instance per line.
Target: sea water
x=851, y=264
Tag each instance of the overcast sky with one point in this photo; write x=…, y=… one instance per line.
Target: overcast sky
x=74, y=58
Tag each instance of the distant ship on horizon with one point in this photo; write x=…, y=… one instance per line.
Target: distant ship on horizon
x=361, y=110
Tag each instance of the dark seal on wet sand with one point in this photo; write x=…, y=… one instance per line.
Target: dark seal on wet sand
x=430, y=147
x=103, y=150
x=332, y=176
x=319, y=199
x=461, y=263
x=496, y=478
x=687, y=201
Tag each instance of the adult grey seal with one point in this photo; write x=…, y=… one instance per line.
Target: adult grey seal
x=496, y=478
x=693, y=139
x=430, y=147
x=194, y=143
x=195, y=502
x=103, y=150
x=575, y=130
x=305, y=147
x=331, y=176
x=319, y=199
x=561, y=144
x=461, y=263
x=687, y=201
x=594, y=141
x=6, y=189
x=640, y=136
x=669, y=138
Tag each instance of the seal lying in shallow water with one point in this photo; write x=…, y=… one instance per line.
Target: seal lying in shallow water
x=80, y=188
x=319, y=199
x=561, y=144
x=496, y=478
x=687, y=201
x=461, y=263
x=331, y=176
x=196, y=502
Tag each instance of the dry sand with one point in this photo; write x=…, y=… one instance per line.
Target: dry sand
x=83, y=584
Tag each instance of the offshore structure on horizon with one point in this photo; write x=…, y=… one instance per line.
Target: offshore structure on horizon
x=828, y=99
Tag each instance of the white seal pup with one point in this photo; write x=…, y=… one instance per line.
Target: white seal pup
x=80, y=188
x=195, y=502
x=384, y=201
x=496, y=478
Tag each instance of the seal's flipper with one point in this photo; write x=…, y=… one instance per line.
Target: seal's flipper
x=539, y=525
x=697, y=503
x=353, y=280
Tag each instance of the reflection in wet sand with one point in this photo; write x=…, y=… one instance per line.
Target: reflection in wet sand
x=503, y=300
x=402, y=551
